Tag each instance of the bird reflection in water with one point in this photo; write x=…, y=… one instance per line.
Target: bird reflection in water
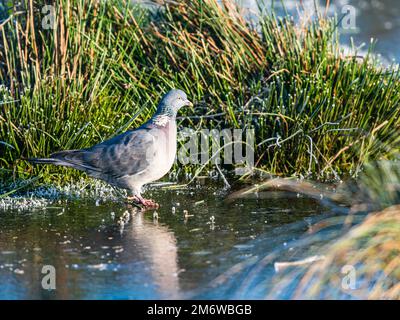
x=156, y=245
x=91, y=262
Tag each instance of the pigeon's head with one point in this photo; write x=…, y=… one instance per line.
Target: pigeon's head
x=173, y=101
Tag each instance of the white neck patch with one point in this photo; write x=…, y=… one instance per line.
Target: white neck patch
x=161, y=120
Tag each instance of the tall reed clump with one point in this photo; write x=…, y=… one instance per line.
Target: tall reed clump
x=103, y=65
x=57, y=91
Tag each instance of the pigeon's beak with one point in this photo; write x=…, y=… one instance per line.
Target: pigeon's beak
x=188, y=103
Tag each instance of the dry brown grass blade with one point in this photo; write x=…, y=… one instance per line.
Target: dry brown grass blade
x=30, y=18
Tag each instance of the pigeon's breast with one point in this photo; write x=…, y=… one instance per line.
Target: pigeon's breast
x=161, y=155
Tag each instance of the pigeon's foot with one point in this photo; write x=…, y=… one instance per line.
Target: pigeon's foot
x=150, y=203
x=146, y=203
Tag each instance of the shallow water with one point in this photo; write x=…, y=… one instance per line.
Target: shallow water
x=149, y=256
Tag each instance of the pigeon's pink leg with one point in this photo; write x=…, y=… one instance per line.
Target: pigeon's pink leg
x=147, y=203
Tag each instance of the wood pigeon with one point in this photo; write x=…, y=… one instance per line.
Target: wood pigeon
x=134, y=158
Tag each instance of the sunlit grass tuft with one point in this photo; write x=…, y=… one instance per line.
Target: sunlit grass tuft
x=104, y=65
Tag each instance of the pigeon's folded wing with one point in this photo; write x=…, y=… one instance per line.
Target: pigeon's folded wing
x=126, y=154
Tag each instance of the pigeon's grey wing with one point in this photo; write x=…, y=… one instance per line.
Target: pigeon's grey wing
x=126, y=154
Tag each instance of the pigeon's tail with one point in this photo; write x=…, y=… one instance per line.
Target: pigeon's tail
x=70, y=158
x=59, y=158
x=43, y=161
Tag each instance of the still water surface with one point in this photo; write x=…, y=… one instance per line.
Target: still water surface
x=163, y=255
